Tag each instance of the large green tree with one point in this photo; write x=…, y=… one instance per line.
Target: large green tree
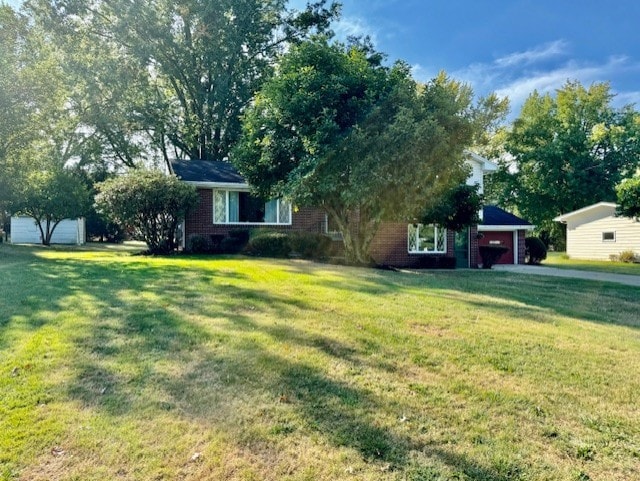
x=38, y=133
x=170, y=77
x=336, y=128
x=566, y=151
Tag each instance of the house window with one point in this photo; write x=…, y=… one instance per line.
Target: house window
x=427, y=239
x=239, y=207
x=331, y=228
x=608, y=237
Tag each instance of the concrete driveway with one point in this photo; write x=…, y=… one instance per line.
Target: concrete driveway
x=626, y=279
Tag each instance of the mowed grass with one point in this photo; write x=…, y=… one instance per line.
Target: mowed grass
x=122, y=367
x=561, y=261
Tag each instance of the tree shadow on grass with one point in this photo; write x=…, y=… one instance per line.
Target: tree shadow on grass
x=538, y=298
x=141, y=322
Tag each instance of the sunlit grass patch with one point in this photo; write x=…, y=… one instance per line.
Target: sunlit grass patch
x=120, y=366
x=562, y=261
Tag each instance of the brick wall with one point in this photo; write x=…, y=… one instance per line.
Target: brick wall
x=521, y=247
x=474, y=253
x=200, y=220
x=390, y=246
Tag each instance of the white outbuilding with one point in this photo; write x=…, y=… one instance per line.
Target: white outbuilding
x=595, y=232
x=24, y=230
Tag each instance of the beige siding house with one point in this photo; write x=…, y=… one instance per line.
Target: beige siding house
x=595, y=232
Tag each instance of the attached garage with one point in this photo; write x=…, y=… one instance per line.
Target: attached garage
x=502, y=228
x=508, y=239
x=24, y=230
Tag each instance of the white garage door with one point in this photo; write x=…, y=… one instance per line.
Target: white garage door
x=25, y=231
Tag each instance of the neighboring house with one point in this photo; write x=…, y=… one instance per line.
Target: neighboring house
x=24, y=230
x=225, y=204
x=595, y=232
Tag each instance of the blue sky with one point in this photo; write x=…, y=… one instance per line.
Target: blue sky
x=510, y=47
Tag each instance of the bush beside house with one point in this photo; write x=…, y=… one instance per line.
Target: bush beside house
x=535, y=250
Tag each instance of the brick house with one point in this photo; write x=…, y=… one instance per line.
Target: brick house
x=225, y=203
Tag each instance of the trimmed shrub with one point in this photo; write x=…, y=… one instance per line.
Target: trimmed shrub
x=149, y=203
x=535, y=251
x=235, y=242
x=198, y=244
x=310, y=245
x=215, y=243
x=241, y=235
x=491, y=254
x=435, y=262
x=628, y=256
x=269, y=244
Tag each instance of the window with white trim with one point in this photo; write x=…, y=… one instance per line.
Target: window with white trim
x=609, y=236
x=240, y=207
x=427, y=239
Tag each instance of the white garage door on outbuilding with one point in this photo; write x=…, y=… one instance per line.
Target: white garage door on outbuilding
x=24, y=230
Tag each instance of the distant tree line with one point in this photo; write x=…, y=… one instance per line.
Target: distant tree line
x=91, y=89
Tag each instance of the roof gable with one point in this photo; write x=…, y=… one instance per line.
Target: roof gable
x=601, y=209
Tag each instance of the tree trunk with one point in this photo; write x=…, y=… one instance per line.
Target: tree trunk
x=358, y=231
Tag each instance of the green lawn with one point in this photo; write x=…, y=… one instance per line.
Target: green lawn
x=560, y=260
x=115, y=366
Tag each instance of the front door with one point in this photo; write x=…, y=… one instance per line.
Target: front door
x=462, y=249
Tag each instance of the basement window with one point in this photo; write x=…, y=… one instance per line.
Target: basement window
x=609, y=236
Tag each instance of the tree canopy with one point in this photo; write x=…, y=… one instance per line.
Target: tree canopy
x=335, y=128
x=628, y=196
x=169, y=78
x=565, y=152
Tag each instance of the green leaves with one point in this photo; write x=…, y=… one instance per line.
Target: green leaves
x=568, y=151
x=49, y=196
x=628, y=193
x=335, y=128
x=149, y=203
x=167, y=77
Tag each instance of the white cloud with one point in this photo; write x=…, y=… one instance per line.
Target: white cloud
x=521, y=87
x=544, y=68
x=536, y=54
x=625, y=98
x=354, y=27
x=422, y=73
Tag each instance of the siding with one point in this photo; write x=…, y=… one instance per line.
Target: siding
x=476, y=175
x=584, y=239
x=69, y=231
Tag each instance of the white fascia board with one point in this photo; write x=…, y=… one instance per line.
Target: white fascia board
x=565, y=217
x=487, y=165
x=219, y=185
x=505, y=228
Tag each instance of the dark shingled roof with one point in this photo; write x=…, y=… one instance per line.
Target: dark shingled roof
x=493, y=215
x=206, y=171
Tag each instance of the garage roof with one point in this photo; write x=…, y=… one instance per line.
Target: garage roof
x=495, y=216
